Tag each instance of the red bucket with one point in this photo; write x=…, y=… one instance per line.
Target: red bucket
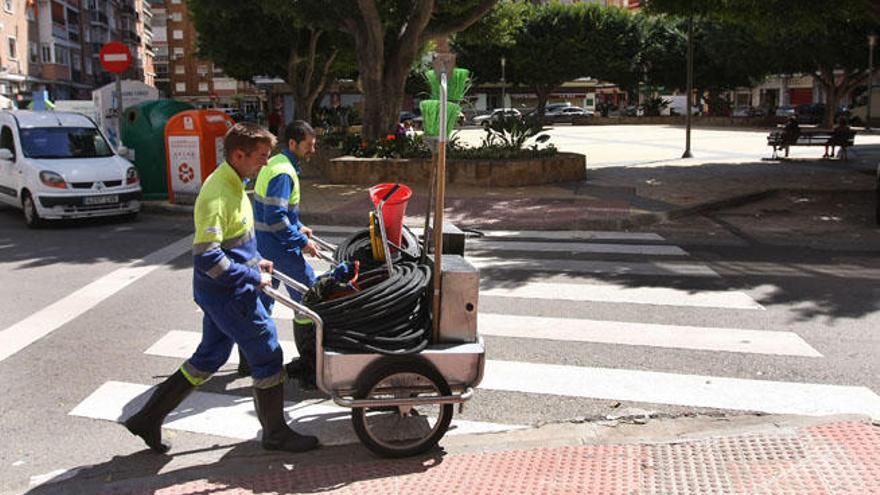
x=394, y=208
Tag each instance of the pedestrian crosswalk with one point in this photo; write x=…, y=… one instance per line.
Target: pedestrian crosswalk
x=534, y=286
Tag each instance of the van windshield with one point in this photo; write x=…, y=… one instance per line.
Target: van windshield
x=64, y=142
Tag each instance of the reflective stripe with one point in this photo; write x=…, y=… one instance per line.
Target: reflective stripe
x=204, y=247
x=253, y=261
x=272, y=201
x=270, y=381
x=194, y=375
x=238, y=241
x=219, y=268
x=275, y=227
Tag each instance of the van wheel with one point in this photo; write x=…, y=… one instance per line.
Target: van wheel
x=31, y=217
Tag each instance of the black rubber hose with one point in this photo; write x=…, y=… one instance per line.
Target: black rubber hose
x=389, y=315
x=357, y=248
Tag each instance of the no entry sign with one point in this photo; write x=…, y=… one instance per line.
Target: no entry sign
x=115, y=57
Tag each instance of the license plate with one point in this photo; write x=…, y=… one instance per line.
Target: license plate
x=100, y=200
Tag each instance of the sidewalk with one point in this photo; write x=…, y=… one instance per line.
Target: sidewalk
x=612, y=197
x=697, y=455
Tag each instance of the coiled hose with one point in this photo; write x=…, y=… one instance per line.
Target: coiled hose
x=389, y=315
x=357, y=248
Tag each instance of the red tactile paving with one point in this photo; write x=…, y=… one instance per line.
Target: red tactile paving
x=835, y=459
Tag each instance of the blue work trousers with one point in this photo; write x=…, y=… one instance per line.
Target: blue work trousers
x=244, y=321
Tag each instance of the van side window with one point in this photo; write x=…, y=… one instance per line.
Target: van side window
x=6, y=140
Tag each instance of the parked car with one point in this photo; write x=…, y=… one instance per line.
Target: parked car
x=56, y=165
x=748, y=112
x=486, y=119
x=566, y=113
x=785, y=111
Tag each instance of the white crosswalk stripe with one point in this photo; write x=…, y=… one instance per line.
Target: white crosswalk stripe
x=645, y=334
x=233, y=416
x=565, y=281
x=616, y=293
x=643, y=386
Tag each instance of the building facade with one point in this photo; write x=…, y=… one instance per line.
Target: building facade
x=197, y=80
x=54, y=45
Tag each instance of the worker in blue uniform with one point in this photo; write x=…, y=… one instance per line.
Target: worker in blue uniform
x=281, y=235
x=228, y=276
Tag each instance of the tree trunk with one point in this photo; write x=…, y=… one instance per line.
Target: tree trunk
x=542, y=94
x=836, y=89
x=307, y=82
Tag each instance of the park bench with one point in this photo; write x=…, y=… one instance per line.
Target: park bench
x=808, y=137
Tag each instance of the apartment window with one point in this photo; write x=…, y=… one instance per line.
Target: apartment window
x=33, y=52
x=175, y=2
x=203, y=87
x=47, y=53
x=203, y=70
x=29, y=13
x=178, y=51
x=177, y=34
x=88, y=65
x=177, y=17
x=179, y=69
x=9, y=6
x=180, y=87
x=62, y=57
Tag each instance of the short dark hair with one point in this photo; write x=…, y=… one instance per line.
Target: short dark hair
x=245, y=136
x=297, y=130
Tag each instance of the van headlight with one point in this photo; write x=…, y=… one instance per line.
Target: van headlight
x=131, y=176
x=52, y=179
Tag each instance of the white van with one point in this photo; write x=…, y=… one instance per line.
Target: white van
x=57, y=165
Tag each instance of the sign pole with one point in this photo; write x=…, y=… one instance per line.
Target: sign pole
x=119, y=108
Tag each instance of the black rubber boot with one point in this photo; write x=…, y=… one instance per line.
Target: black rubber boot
x=147, y=423
x=244, y=369
x=269, y=404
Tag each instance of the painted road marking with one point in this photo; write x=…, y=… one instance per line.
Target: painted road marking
x=181, y=344
x=639, y=386
x=43, y=322
x=614, y=293
x=595, y=267
x=233, y=416
x=646, y=334
x=678, y=389
x=586, y=235
x=577, y=247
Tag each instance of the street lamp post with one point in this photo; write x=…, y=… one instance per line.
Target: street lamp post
x=503, y=83
x=872, y=40
x=690, y=87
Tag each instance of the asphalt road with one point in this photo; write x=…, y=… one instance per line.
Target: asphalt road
x=626, y=324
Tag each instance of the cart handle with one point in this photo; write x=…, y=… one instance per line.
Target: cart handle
x=324, y=244
x=305, y=311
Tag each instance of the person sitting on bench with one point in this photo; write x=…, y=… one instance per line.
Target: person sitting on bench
x=790, y=133
x=839, y=137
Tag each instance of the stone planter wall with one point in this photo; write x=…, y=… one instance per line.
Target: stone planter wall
x=563, y=167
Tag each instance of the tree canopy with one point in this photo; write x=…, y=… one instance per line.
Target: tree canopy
x=549, y=44
x=275, y=41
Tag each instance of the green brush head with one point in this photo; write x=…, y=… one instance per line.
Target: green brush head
x=456, y=85
x=431, y=117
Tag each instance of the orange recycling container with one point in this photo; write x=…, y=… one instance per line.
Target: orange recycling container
x=193, y=149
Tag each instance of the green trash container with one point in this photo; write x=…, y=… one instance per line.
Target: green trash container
x=143, y=132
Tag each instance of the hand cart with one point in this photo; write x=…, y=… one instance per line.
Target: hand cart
x=401, y=405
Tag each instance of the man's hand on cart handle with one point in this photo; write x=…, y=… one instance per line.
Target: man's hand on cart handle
x=265, y=280
x=266, y=266
x=307, y=231
x=311, y=248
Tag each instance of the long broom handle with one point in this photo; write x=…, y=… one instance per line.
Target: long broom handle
x=438, y=208
x=431, y=185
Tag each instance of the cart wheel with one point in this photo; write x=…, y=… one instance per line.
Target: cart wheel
x=401, y=431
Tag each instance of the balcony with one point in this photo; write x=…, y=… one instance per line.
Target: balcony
x=99, y=18
x=73, y=36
